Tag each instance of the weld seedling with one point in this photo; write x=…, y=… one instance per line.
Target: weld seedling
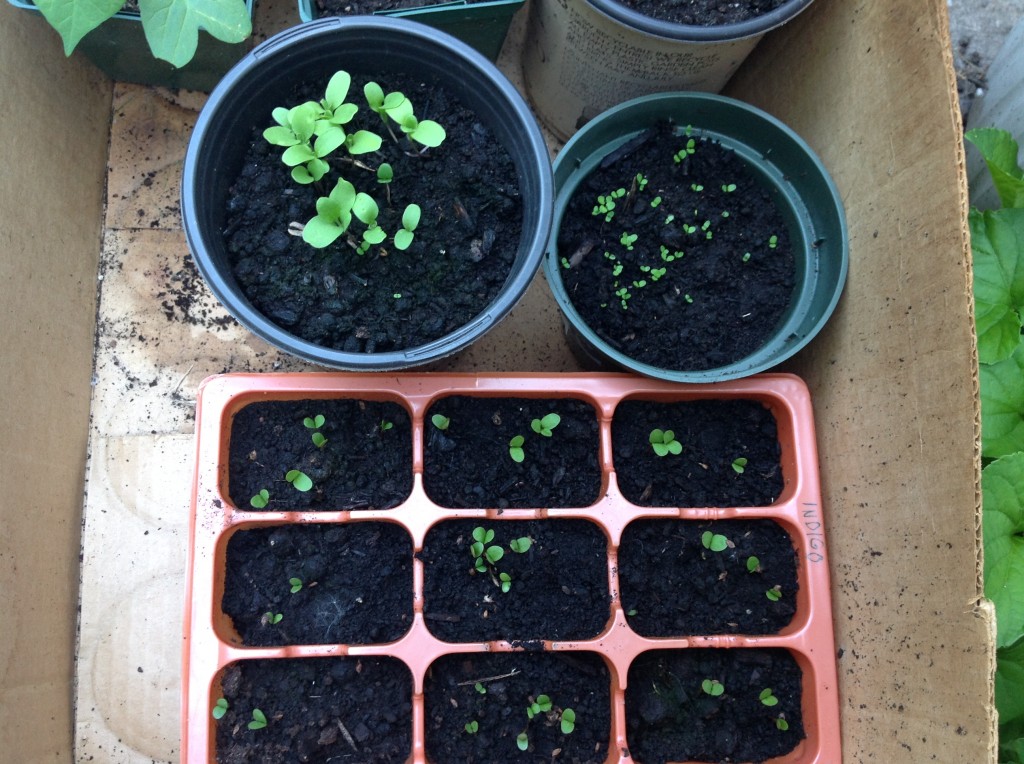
x=774, y=594
x=545, y=425
x=220, y=708
x=739, y=465
x=271, y=619
x=472, y=727
x=712, y=687
x=260, y=500
x=664, y=442
x=767, y=698
x=753, y=565
x=299, y=480
x=515, y=449
x=259, y=720
x=440, y=421
x=296, y=585
x=716, y=542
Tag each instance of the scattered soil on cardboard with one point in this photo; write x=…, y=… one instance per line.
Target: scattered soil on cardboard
x=670, y=718
x=579, y=681
x=703, y=284
x=386, y=299
x=363, y=465
x=672, y=586
x=703, y=13
x=468, y=465
x=317, y=709
x=713, y=435
x=355, y=584
x=559, y=586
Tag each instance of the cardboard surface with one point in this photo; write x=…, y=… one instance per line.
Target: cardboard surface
x=868, y=85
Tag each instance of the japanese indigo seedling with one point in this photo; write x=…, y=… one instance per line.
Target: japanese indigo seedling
x=487, y=555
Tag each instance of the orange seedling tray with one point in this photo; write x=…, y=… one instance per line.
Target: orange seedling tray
x=210, y=640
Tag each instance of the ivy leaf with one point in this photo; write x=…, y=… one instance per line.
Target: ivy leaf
x=172, y=26
x=1002, y=488
x=74, y=19
x=1000, y=152
x=997, y=239
x=1002, y=406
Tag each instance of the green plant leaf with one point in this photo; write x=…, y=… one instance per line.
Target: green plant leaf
x=374, y=95
x=520, y=545
x=362, y=142
x=365, y=208
x=1000, y=151
x=400, y=111
x=172, y=26
x=997, y=239
x=385, y=174
x=73, y=19
x=337, y=89
x=1009, y=684
x=494, y=553
x=280, y=136
x=411, y=217
x=403, y=239
x=300, y=480
x=1002, y=406
x=328, y=141
x=220, y=708
x=428, y=133
x=298, y=154
x=440, y=421
x=320, y=232
x=515, y=449
x=374, y=235
x=259, y=720
x=1002, y=488
x=522, y=741
x=568, y=721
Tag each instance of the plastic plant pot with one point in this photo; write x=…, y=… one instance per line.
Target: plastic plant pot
x=315, y=51
x=212, y=644
x=780, y=161
x=119, y=49
x=483, y=25
x=588, y=55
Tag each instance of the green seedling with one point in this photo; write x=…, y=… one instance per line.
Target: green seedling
x=683, y=153
x=426, y=132
x=746, y=257
x=606, y=204
x=657, y=273
x=472, y=727
x=567, y=721
x=628, y=240
x=272, y=619
x=546, y=424
x=617, y=269
x=385, y=425
x=505, y=581
x=656, y=201
x=522, y=741
x=294, y=132
x=380, y=103
x=664, y=442
x=314, y=422
x=541, y=705
x=366, y=211
x=259, y=720
x=712, y=687
x=688, y=299
x=220, y=708
x=385, y=173
x=739, y=465
x=296, y=585
x=480, y=688
x=515, y=449
x=631, y=612
x=565, y=263
x=774, y=594
x=299, y=480
x=333, y=216
x=767, y=698
x=773, y=241
x=520, y=545
x=753, y=565
x=440, y=421
x=697, y=187
x=781, y=724
x=410, y=220
x=716, y=542
x=728, y=187
x=318, y=439
x=260, y=500
x=483, y=554
x=641, y=181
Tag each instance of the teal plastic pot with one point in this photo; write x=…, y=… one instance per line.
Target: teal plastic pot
x=367, y=45
x=119, y=49
x=799, y=183
x=483, y=26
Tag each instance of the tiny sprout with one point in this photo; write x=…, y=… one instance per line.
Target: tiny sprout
x=318, y=439
x=540, y=706
x=664, y=442
x=617, y=270
x=688, y=298
x=472, y=727
x=522, y=741
x=696, y=187
x=220, y=708
x=773, y=241
x=739, y=464
x=480, y=688
x=520, y=545
x=628, y=239
x=746, y=257
x=385, y=425
x=640, y=284
x=716, y=542
x=440, y=421
x=781, y=724
x=260, y=500
x=753, y=564
x=545, y=425
x=631, y=612
x=657, y=273
x=641, y=181
x=568, y=721
x=565, y=263
x=259, y=720
x=385, y=174
x=300, y=480
x=515, y=449
x=728, y=187
x=397, y=295
x=506, y=582
x=296, y=585
x=410, y=219
x=314, y=422
x=774, y=594
x=767, y=698
x=656, y=201
x=272, y=619
x=712, y=687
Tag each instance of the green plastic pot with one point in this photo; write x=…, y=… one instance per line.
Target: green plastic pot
x=802, y=189
x=483, y=26
x=119, y=49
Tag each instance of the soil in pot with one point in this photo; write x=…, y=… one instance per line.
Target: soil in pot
x=470, y=463
x=680, y=578
x=363, y=460
x=675, y=254
x=711, y=705
x=386, y=298
x=557, y=589
x=319, y=584
x=490, y=692
x=363, y=7
x=704, y=13
x=728, y=453
x=316, y=709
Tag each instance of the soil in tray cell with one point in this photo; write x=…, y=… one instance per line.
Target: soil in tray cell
x=319, y=584
x=316, y=709
x=557, y=589
x=681, y=578
x=476, y=708
x=471, y=462
x=726, y=453
x=356, y=455
x=716, y=705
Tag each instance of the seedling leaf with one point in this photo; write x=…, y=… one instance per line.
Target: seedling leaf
x=1002, y=490
x=520, y=545
x=440, y=421
x=568, y=721
x=300, y=480
x=220, y=708
x=515, y=449
x=259, y=720
x=260, y=500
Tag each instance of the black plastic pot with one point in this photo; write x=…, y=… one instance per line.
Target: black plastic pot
x=364, y=44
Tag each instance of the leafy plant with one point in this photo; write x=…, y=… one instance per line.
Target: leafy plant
x=716, y=542
x=546, y=424
x=664, y=442
x=299, y=480
x=767, y=698
x=259, y=720
x=739, y=465
x=515, y=449
x=486, y=557
x=296, y=585
x=261, y=499
x=712, y=687
x=220, y=708
x=543, y=704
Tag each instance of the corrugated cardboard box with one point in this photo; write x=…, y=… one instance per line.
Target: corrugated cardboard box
x=868, y=85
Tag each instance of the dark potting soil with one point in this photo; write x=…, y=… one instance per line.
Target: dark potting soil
x=672, y=586
x=686, y=275
x=317, y=710
x=386, y=299
x=703, y=13
x=364, y=464
x=364, y=7
x=559, y=586
x=355, y=579
x=669, y=717
x=469, y=465
x=512, y=682
x=713, y=435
